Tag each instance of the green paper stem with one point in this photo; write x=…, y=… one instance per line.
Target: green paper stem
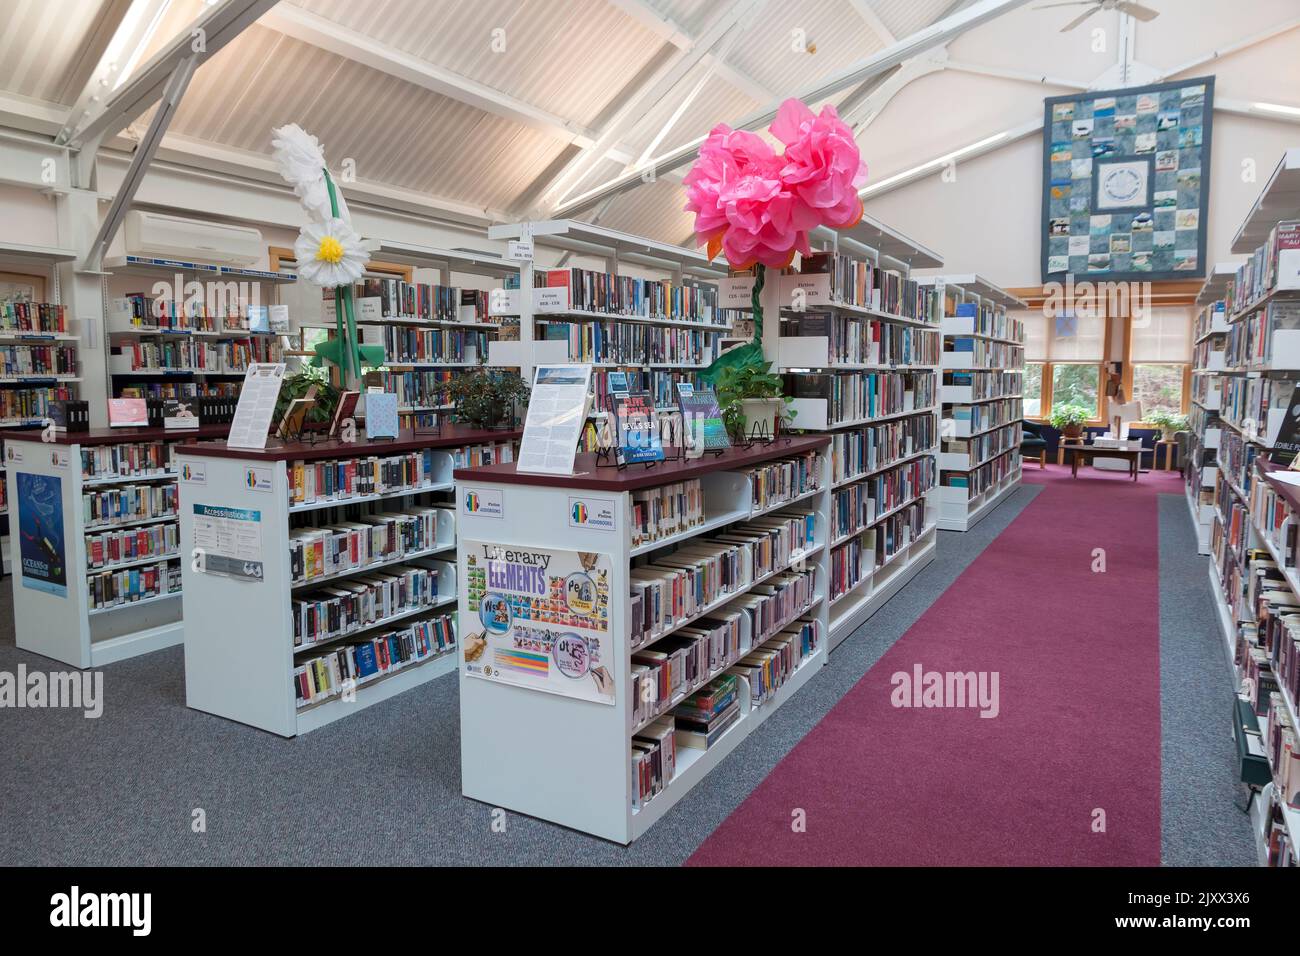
x=756, y=303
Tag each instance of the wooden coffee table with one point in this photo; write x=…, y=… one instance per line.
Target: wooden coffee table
x=1133, y=455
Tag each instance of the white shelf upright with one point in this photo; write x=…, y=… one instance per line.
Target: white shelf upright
x=1205, y=430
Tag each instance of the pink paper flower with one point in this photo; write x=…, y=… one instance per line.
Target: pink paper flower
x=823, y=166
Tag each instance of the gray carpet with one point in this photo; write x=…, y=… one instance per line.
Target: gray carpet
x=383, y=786
x=1198, y=761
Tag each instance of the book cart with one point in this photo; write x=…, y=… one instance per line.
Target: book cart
x=566, y=758
x=979, y=460
x=241, y=659
x=50, y=484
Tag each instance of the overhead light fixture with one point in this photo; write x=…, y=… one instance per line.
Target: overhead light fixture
x=932, y=164
x=1276, y=108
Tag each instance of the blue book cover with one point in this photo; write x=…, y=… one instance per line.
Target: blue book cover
x=967, y=309
x=638, y=429
x=366, y=663
x=381, y=415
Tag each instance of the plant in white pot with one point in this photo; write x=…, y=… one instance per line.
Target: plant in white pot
x=751, y=400
x=1168, y=423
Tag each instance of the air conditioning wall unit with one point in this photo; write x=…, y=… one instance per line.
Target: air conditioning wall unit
x=159, y=236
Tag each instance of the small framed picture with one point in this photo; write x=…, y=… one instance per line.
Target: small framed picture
x=16, y=287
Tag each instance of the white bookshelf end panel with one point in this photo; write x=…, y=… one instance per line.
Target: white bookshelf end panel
x=804, y=351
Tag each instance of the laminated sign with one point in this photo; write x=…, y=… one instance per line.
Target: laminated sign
x=538, y=618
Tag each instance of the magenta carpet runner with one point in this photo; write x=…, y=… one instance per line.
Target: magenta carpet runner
x=1067, y=773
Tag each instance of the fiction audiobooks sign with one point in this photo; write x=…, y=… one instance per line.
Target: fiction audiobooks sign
x=537, y=618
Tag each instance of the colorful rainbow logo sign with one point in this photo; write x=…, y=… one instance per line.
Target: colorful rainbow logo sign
x=250, y=478
x=580, y=513
x=472, y=502
x=522, y=662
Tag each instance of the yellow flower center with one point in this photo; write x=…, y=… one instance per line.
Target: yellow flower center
x=331, y=251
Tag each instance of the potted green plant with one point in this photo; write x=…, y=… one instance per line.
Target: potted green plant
x=751, y=399
x=298, y=385
x=1069, y=419
x=487, y=400
x=1167, y=422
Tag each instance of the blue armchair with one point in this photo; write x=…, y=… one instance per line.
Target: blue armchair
x=1032, y=443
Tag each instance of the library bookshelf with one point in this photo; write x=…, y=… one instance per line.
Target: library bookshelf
x=568, y=760
x=242, y=659
x=979, y=463
x=430, y=331
x=201, y=343
x=1242, y=392
x=55, y=614
x=562, y=310
x=1204, y=428
x=884, y=503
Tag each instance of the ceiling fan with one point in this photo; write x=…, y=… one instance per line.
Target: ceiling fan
x=1135, y=10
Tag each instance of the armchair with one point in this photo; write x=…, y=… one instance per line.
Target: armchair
x=1032, y=442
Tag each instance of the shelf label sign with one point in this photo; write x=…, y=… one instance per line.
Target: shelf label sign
x=258, y=479
x=40, y=528
x=537, y=618
x=483, y=503
x=521, y=250
x=594, y=514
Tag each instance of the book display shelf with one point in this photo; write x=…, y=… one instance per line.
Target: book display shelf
x=39, y=360
x=650, y=308
x=197, y=339
x=859, y=347
x=983, y=366
x=322, y=580
x=429, y=331
x=624, y=631
x=95, y=553
x=1253, y=533
x=1205, y=431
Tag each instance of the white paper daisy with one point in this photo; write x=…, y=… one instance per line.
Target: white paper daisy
x=330, y=254
x=301, y=161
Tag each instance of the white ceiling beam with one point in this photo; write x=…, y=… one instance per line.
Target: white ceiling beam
x=325, y=34
x=937, y=34
x=1023, y=76
x=131, y=34
x=861, y=116
x=1235, y=47
x=872, y=19
x=634, y=103
x=221, y=23
x=970, y=151
x=672, y=32
x=32, y=115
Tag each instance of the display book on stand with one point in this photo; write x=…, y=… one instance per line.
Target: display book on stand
x=324, y=584
x=625, y=629
x=637, y=432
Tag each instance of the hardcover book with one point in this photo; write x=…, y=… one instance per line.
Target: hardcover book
x=638, y=428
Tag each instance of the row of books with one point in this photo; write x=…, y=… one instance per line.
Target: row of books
x=853, y=396
x=985, y=319
x=181, y=391
x=113, y=547
x=1273, y=515
x=180, y=356
x=488, y=453
x=1207, y=318
x=872, y=447
x=864, y=284
x=351, y=665
x=981, y=448
x=373, y=538
x=590, y=291
x=777, y=482
x=630, y=344
x=679, y=665
x=425, y=388
x=339, y=479
x=1245, y=401
x=677, y=587
x=662, y=512
x=421, y=301
x=124, y=503
x=982, y=417
x=1207, y=351
x=1237, y=459
x=237, y=356
x=857, y=341
x=1251, y=343
x=1228, y=544
x=404, y=343
x=978, y=480
x=862, y=502
x=353, y=604
x=128, y=586
x=30, y=404
x=33, y=317
x=985, y=385
x=976, y=353
x=127, y=460
x=18, y=360
x=852, y=561
x=1271, y=265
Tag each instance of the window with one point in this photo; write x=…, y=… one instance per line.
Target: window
x=1033, y=390
x=1075, y=383
x=1158, y=387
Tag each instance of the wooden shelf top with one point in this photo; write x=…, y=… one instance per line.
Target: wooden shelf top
x=451, y=436
x=114, y=436
x=588, y=477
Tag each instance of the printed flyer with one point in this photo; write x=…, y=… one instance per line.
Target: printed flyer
x=40, y=528
x=538, y=618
